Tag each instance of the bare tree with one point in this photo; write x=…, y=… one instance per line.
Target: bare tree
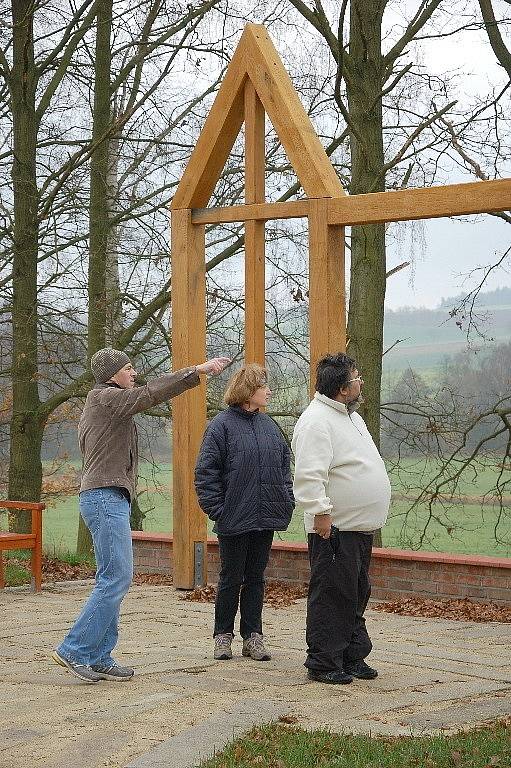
x=47, y=194
x=24, y=78
x=441, y=437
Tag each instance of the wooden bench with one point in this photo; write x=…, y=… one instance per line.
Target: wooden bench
x=32, y=541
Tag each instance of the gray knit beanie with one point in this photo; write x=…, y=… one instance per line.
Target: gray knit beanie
x=106, y=363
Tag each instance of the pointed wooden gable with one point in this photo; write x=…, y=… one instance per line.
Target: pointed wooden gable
x=257, y=60
x=256, y=83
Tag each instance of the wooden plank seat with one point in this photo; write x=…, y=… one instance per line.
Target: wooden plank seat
x=32, y=541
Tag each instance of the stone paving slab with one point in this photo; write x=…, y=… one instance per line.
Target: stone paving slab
x=435, y=675
x=479, y=708
x=462, y=666
x=189, y=747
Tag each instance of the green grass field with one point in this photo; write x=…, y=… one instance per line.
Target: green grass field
x=468, y=528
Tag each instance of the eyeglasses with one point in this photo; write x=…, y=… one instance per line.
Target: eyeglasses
x=357, y=378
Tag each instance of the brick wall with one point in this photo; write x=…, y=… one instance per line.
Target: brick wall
x=395, y=573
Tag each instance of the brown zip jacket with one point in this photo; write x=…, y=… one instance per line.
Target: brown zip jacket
x=107, y=432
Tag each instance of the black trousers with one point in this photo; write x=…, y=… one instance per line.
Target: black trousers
x=243, y=561
x=338, y=593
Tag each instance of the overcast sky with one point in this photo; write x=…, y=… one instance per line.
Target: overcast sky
x=446, y=249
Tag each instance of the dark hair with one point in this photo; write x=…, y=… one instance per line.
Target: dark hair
x=333, y=373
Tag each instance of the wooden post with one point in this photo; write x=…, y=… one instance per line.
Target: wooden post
x=36, y=556
x=254, y=230
x=189, y=409
x=327, y=302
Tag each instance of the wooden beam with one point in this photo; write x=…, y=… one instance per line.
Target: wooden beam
x=254, y=230
x=290, y=120
x=189, y=409
x=295, y=209
x=327, y=301
x=404, y=205
x=430, y=203
x=216, y=139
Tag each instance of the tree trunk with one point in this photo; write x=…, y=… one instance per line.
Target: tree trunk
x=367, y=282
x=137, y=515
x=114, y=316
x=26, y=430
x=99, y=204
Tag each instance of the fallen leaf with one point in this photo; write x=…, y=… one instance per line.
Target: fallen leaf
x=278, y=594
x=457, y=610
x=289, y=719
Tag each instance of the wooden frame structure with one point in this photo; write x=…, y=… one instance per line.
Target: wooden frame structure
x=256, y=83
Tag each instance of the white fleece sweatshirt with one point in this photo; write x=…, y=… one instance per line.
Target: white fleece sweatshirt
x=338, y=468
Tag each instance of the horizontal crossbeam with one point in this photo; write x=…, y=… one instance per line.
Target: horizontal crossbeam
x=295, y=209
x=428, y=203
x=378, y=207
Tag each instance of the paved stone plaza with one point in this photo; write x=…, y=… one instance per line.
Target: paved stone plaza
x=182, y=705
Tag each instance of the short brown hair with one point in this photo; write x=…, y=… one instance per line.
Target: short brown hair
x=244, y=383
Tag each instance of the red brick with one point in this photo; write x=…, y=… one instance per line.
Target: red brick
x=461, y=590
x=424, y=586
x=145, y=559
x=398, y=573
x=499, y=595
x=427, y=566
x=407, y=565
x=496, y=581
x=497, y=571
x=286, y=573
x=390, y=594
x=449, y=577
x=401, y=584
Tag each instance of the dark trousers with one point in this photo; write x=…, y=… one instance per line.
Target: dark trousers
x=243, y=561
x=338, y=593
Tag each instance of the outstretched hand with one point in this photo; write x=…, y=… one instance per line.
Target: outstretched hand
x=214, y=366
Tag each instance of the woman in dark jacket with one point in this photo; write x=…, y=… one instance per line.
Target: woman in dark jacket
x=243, y=482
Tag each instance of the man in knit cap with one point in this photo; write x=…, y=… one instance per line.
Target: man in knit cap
x=343, y=488
x=108, y=443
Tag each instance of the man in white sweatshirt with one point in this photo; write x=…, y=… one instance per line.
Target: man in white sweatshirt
x=342, y=486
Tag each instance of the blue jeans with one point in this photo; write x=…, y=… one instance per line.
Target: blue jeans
x=106, y=513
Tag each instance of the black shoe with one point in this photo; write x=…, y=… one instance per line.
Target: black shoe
x=335, y=677
x=361, y=670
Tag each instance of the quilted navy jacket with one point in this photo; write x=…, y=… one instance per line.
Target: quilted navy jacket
x=242, y=476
